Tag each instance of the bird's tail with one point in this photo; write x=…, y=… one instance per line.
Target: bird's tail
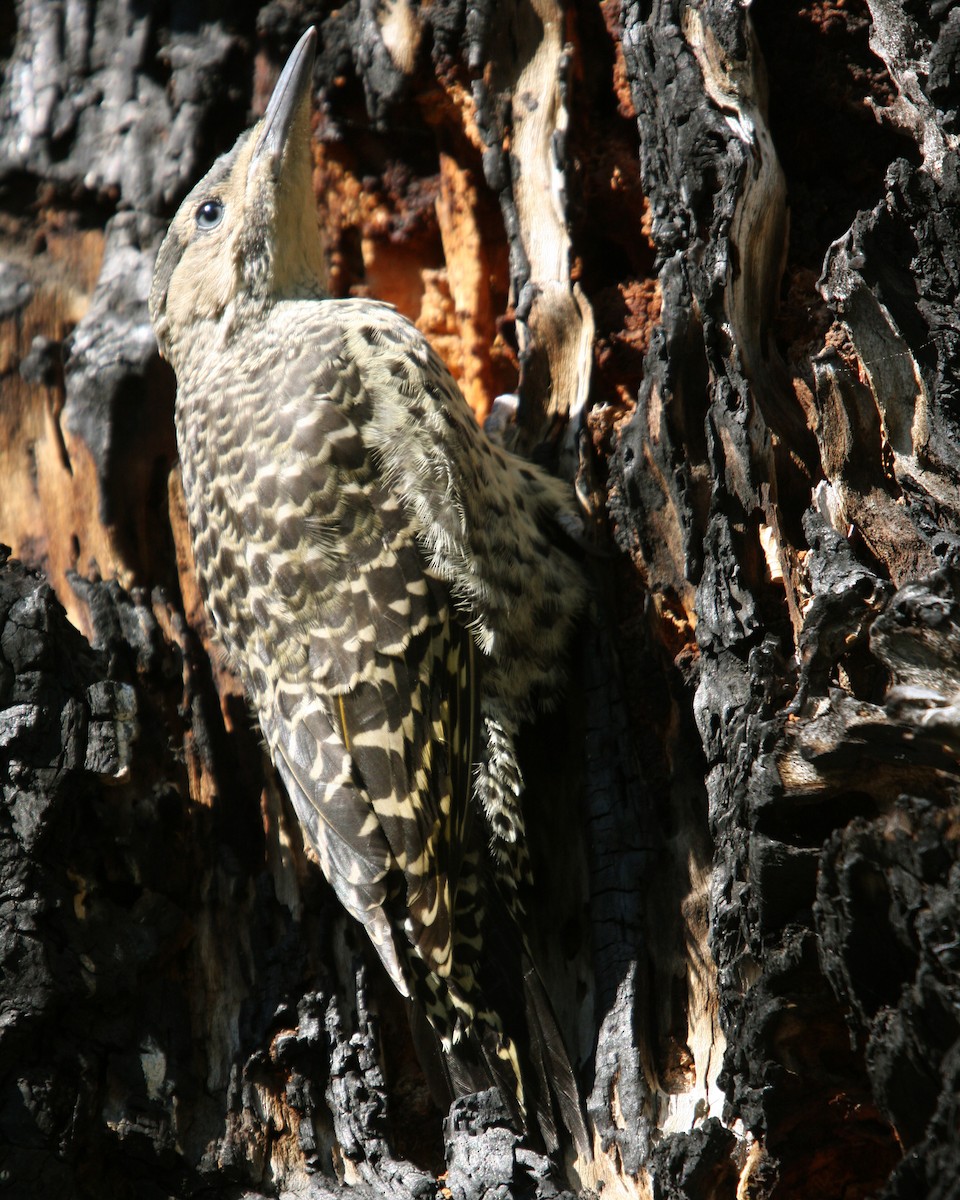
x=557, y=1093
x=510, y=1041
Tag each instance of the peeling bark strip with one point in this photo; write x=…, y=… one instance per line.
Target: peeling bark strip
x=620, y=210
x=523, y=109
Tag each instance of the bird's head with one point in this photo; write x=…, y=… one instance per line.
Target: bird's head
x=247, y=233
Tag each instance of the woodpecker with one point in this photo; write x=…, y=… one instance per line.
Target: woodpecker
x=388, y=582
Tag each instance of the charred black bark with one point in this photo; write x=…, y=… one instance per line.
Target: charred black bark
x=740, y=237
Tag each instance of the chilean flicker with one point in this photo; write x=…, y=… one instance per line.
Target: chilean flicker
x=386, y=581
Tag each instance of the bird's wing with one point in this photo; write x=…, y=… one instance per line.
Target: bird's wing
x=373, y=728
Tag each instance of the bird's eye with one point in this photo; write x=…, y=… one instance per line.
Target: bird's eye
x=209, y=214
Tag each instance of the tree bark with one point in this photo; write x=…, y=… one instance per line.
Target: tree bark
x=707, y=257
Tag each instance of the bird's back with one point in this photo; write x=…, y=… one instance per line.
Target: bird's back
x=364, y=441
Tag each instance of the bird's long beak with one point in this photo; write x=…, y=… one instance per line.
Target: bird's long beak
x=294, y=83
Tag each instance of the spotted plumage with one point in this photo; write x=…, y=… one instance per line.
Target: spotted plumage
x=384, y=578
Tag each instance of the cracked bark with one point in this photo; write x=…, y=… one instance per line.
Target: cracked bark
x=712, y=253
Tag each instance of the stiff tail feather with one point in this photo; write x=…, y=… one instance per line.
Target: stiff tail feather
x=514, y=1045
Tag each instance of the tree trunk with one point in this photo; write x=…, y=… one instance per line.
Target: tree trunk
x=714, y=254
